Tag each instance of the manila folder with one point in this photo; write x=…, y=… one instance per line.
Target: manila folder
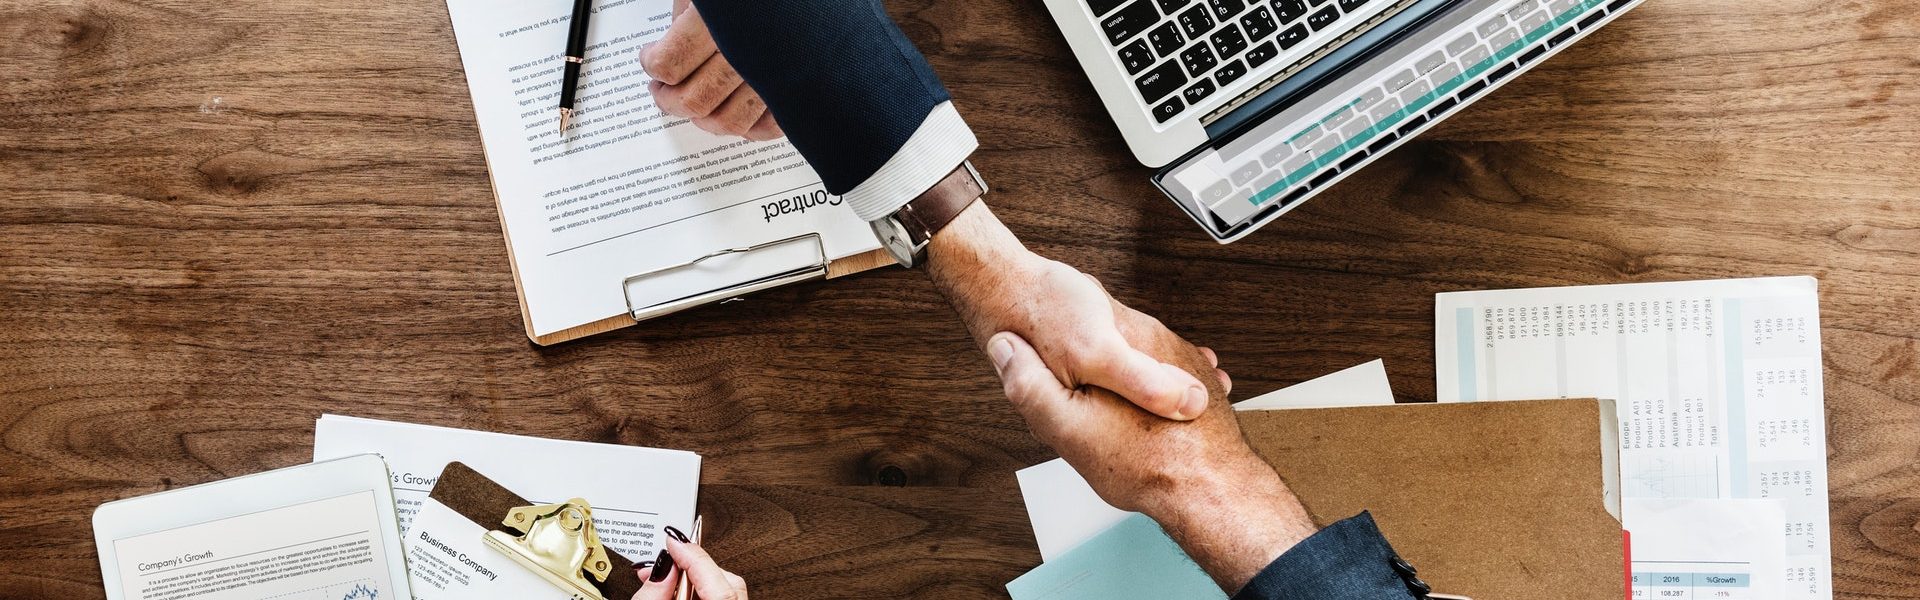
x=1492, y=500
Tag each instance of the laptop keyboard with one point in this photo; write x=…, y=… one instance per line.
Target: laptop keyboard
x=1376, y=115
x=1181, y=52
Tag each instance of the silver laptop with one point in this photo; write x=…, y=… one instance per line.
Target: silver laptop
x=1249, y=107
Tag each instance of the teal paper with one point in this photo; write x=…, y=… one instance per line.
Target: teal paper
x=1134, y=559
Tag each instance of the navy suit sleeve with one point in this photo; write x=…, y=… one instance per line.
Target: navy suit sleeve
x=1349, y=560
x=845, y=84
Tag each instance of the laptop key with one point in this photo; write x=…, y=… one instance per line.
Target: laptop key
x=1296, y=164
x=1531, y=54
x=1259, y=23
x=1199, y=91
x=1290, y=10
x=1413, y=123
x=1535, y=20
x=1357, y=129
x=1292, y=36
x=1368, y=98
x=1274, y=155
x=1320, y=20
x=1506, y=37
x=1130, y=21
x=1414, y=92
x=1461, y=44
x=1167, y=7
x=1338, y=118
x=1216, y=192
x=1325, y=146
x=1351, y=5
x=1385, y=110
x=1229, y=73
x=1561, y=38
x=1224, y=10
x=1431, y=62
x=1444, y=74
x=1166, y=39
x=1475, y=56
x=1161, y=81
x=1492, y=26
x=1136, y=57
x=1245, y=173
x=1102, y=7
x=1266, y=181
x=1306, y=137
x=1400, y=80
x=1196, y=22
x=1228, y=41
x=1169, y=109
x=1259, y=55
x=1199, y=59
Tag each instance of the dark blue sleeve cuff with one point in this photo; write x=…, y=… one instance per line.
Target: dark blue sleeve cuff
x=1349, y=560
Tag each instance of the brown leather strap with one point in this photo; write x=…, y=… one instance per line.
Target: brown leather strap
x=936, y=207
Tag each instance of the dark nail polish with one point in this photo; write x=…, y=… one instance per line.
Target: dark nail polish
x=677, y=535
x=642, y=565
x=662, y=565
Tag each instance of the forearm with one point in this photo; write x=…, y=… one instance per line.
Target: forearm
x=974, y=259
x=1233, y=520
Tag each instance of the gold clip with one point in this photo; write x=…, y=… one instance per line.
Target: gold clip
x=559, y=545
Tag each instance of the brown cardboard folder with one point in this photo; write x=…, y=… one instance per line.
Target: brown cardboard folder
x=1493, y=500
x=482, y=501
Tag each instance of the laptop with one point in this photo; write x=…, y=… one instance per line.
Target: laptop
x=1250, y=107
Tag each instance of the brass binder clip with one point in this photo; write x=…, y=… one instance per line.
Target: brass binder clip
x=559, y=545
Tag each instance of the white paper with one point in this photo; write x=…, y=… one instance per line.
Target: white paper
x=1718, y=384
x=634, y=491
x=326, y=549
x=1065, y=511
x=447, y=560
x=1364, y=384
x=629, y=190
x=1707, y=549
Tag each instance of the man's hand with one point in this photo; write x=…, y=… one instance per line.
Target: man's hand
x=1082, y=333
x=1198, y=479
x=692, y=79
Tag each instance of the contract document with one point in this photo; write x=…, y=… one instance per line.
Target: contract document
x=1718, y=384
x=626, y=190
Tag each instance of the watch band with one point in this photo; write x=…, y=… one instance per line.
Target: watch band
x=906, y=231
x=933, y=209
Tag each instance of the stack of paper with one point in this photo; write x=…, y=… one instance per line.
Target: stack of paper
x=1718, y=385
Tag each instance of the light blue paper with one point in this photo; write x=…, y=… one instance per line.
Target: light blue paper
x=1132, y=560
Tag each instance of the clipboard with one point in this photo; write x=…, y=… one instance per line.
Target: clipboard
x=493, y=507
x=822, y=268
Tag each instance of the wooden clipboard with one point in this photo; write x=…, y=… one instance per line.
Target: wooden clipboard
x=834, y=268
x=484, y=502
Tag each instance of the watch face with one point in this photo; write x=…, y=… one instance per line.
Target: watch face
x=894, y=237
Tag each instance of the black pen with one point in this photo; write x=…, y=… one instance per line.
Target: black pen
x=576, y=54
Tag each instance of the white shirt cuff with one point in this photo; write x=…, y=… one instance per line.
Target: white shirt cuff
x=941, y=143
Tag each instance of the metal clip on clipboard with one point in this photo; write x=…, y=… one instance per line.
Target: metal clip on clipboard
x=816, y=269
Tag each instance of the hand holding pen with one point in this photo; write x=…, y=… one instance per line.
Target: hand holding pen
x=683, y=565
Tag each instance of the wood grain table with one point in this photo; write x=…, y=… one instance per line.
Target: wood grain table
x=219, y=220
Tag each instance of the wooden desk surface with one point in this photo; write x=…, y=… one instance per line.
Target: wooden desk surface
x=219, y=220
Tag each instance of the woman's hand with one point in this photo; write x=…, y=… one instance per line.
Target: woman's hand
x=661, y=580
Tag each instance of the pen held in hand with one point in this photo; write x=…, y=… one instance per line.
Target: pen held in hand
x=575, y=56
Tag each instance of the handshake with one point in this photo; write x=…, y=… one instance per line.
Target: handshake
x=1136, y=409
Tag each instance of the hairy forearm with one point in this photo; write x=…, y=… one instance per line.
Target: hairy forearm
x=1233, y=520
x=973, y=259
